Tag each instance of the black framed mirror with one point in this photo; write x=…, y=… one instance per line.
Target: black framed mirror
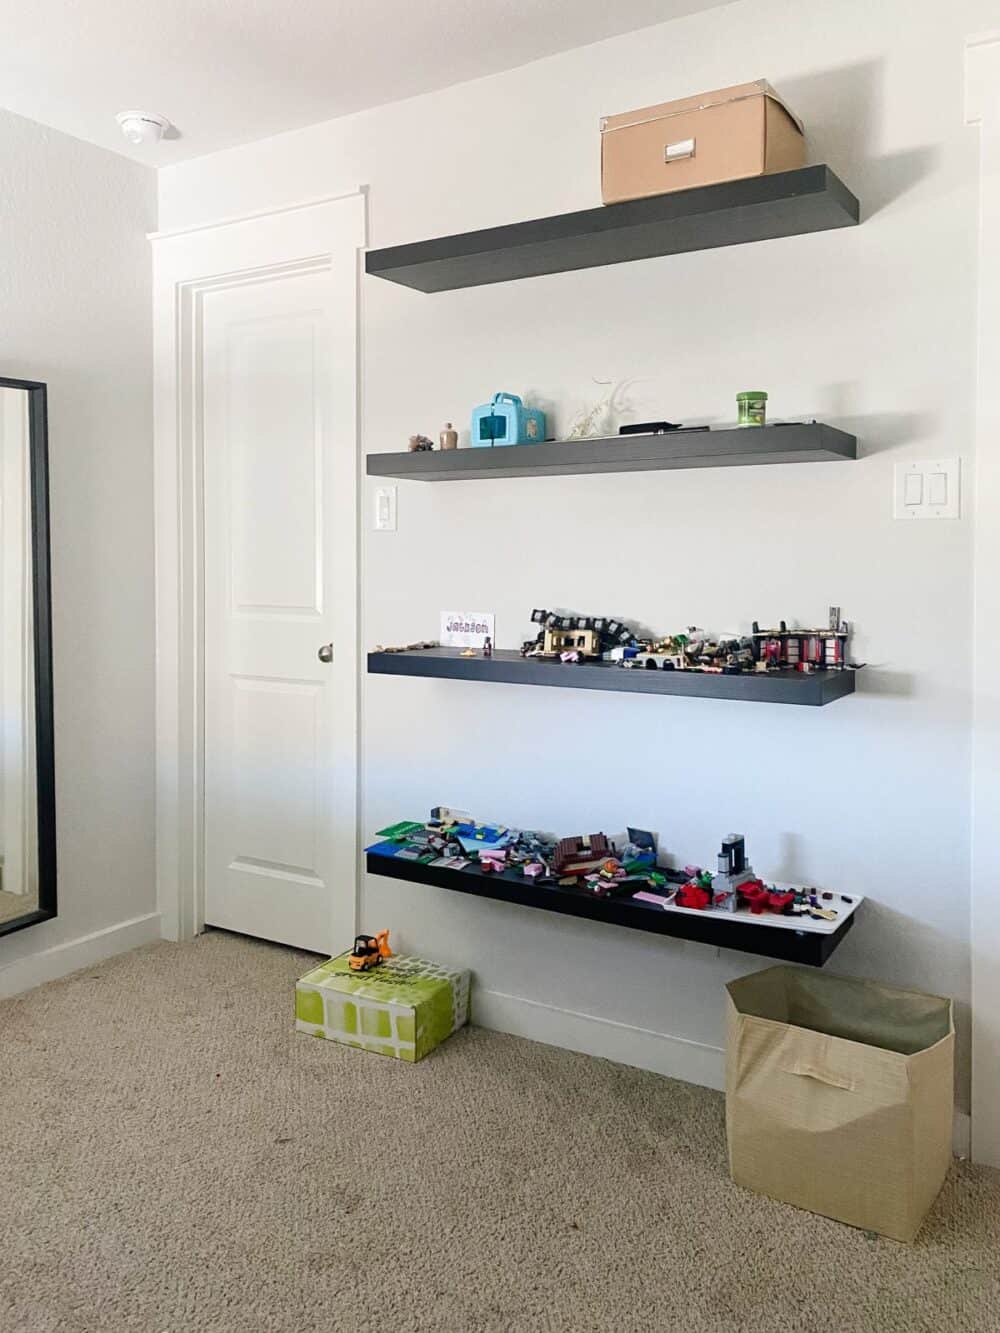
x=27, y=758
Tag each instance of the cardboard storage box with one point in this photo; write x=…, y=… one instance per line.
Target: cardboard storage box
x=839, y=1096
x=742, y=131
x=403, y=1009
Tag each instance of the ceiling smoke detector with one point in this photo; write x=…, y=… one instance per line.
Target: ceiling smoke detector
x=142, y=126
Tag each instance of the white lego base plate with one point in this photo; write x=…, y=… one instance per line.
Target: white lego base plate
x=807, y=925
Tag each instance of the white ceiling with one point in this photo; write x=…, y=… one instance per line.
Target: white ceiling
x=230, y=71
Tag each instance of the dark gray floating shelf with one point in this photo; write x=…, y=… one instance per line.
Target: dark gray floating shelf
x=510, y=668
x=791, y=946
x=757, y=208
x=794, y=442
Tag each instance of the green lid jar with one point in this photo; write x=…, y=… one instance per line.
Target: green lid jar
x=752, y=406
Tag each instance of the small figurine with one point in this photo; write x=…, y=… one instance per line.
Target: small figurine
x=467, y=652
x=487, y=647
x=448, y=438
x=369, y=951
x=420, y=444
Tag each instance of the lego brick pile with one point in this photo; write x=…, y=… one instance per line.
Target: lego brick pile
x=598, y=866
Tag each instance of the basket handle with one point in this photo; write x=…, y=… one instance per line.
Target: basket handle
x=832, y=1080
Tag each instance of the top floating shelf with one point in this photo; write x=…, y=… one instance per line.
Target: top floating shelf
x=794, y=442
x=757, y=208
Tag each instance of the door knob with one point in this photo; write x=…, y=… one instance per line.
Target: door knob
x=325, y=654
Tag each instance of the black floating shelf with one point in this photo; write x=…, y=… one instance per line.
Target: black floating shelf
x=510, y=668
x=792, y=442
x=811, y=948
x=757, y=208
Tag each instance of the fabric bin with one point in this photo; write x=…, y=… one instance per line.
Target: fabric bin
x=840, y=1095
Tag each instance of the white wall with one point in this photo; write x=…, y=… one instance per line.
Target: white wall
x=75, y=311
x=870, y=329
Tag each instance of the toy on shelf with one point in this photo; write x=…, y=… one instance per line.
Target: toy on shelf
x=575, y=638
x=802, y=649
x=576, y=856
x=733, y=872
x=506, y=420
x=694, y=651
x=769, y=650
x=640, y=849
x=369, y=951
x=695, y=893
x=420, y=444
x=409, y=647
x=598, y=866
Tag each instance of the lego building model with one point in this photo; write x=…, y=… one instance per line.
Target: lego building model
x=733, y=872
x=781, y=649
x=577, y=856
x=575, y=637
x=571, y=638
x=802, y=649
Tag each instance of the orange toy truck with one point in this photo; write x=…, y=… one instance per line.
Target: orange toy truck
x=369, y=951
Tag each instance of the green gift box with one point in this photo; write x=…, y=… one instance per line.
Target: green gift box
x=402, y=1009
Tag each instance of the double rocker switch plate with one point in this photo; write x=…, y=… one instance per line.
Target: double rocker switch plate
x=928, y=490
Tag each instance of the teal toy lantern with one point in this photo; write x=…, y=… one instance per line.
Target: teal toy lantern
x=506, y=420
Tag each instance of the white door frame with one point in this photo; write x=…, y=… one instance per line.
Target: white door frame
x=327, y=233
x=982, y=108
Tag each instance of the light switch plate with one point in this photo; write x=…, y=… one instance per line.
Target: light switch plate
x=385, y=509
x=930, y=489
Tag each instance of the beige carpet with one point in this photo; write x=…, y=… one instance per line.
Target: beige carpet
x=173, y=1157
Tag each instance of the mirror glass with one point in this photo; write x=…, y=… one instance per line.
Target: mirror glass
x=27, y=869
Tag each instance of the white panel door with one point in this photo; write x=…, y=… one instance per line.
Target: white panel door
x=271, y=607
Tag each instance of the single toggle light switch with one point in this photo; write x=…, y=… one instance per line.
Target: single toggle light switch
x=385, y=509
x=913, y=488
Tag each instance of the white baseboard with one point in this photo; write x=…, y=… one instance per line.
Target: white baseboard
x=674, y=1057
x=62, y=959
